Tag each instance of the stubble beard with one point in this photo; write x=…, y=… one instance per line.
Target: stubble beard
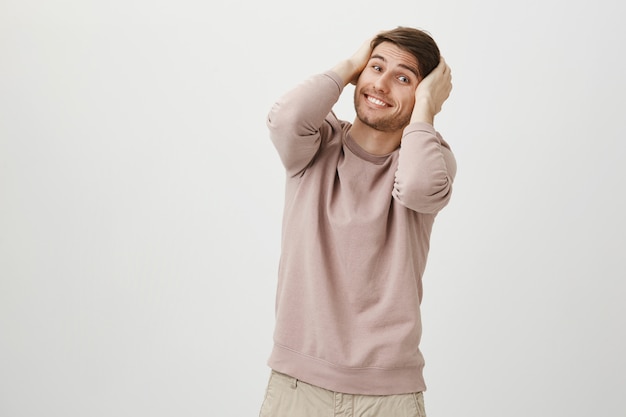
x=382, y=124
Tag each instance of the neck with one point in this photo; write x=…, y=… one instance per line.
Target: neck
x=374, y=141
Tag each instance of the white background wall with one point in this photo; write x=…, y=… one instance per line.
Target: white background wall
x=140, y=202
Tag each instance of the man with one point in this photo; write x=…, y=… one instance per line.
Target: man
x=360, y=202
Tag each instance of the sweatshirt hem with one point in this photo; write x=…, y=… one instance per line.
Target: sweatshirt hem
x=347, y=380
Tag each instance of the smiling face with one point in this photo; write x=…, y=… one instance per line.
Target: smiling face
x=385, y=91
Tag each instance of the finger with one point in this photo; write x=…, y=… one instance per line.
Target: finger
x=444, y=65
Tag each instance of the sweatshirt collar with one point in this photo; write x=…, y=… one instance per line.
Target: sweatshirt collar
x=356, y=149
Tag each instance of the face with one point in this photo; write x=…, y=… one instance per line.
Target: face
x=384, y=95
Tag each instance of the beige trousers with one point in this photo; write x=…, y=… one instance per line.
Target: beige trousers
x=289, y=397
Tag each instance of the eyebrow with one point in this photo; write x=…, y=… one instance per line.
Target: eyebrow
x=408, y=67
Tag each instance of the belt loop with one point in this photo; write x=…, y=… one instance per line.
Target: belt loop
x=294, y=383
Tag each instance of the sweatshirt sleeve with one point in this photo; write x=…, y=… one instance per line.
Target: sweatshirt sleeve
x=297, y=121
x=426, y=170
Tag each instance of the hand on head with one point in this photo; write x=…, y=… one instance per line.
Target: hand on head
x=435, y=88
x=350, y=69
x=359, y=59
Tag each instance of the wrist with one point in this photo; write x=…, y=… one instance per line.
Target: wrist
x=347, y=70
x=423, y=111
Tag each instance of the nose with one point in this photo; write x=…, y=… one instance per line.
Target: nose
x=382, y=82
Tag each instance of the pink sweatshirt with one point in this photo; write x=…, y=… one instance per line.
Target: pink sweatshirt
x=355, y=239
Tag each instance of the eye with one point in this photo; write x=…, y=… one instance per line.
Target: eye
x=404, y=79
x=377, y=68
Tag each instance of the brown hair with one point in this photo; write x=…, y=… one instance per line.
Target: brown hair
x=417, y=42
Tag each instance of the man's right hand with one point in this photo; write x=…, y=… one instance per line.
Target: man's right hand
x=350, y=69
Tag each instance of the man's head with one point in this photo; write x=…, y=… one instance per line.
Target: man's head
x=417, y=42
x=385, y=90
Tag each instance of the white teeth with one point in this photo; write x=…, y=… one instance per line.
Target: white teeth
x=376, y=101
